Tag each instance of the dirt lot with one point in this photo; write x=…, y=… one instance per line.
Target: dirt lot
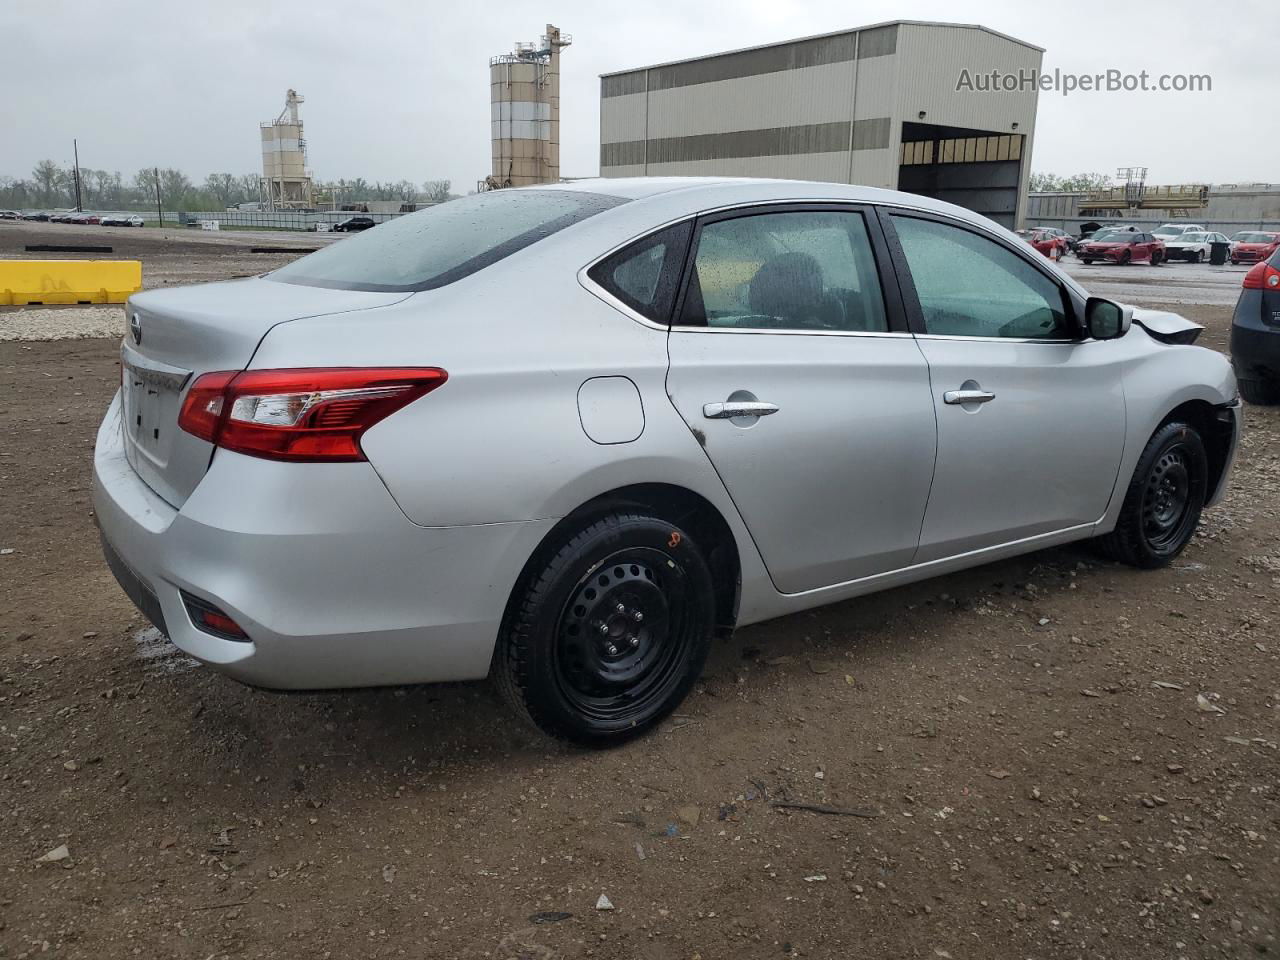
x=1028, y=734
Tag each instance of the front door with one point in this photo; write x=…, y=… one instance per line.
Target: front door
x=806, y=390
x=1031, y=417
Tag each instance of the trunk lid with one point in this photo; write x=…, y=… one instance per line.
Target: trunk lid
x=176, y=335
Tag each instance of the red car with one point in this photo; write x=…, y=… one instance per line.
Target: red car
x=1122, y=247
x=1254, y=246
x=1052, y=243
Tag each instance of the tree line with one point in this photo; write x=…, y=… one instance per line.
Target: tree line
x=51, y=186
x=1075, y=183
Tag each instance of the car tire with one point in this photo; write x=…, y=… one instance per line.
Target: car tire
x=1124, y=259
x=1197, y=257
x=1163, y=501
x=1088, y=260
x=1260, y=393
x=1156, y=258
x=606, y=634
x=1234, y=262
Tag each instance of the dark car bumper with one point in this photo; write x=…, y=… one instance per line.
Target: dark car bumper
x=1255, y=336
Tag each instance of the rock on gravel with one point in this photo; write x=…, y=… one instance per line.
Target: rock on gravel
x=62, y=323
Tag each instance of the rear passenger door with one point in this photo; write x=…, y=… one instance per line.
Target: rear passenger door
x=792, y=364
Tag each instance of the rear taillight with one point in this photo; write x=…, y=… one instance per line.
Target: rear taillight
x=1262, y=276
x=313, y=414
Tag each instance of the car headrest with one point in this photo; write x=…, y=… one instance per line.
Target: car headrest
x=787, y=285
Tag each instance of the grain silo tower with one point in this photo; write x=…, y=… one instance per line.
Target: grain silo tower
x=286, y=182
x=525, y=102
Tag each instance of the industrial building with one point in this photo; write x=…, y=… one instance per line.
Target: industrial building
x=524, y=90
x=286, y=181
x=877, y=105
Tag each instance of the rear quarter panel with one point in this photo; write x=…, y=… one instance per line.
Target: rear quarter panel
x=502, y=440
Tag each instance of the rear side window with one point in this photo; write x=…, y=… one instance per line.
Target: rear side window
x=801, y=270
x=444, y=243
x=646, y=275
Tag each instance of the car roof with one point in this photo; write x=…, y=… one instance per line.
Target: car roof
x=705, y=193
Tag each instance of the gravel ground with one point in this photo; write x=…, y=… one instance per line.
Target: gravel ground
x=1054, y=757
x=61, y=323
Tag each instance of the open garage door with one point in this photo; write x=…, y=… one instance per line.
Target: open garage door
x=976, y=169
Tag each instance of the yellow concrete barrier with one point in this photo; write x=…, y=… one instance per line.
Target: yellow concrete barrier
x=68, y=281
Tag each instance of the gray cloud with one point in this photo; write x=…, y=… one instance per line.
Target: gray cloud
x=398, y=88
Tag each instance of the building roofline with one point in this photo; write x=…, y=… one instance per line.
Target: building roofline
x=833, y=33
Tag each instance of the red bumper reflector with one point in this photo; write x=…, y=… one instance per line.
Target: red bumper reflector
x=209, y=618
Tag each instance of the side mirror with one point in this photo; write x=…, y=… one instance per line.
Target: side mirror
x=1106, y=320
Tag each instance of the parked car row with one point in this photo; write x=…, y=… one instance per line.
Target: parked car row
x=1124, y=243
x=77, y=217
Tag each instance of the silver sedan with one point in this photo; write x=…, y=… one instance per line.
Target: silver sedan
x=566, y=435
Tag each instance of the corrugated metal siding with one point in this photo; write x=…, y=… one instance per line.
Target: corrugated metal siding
x=622, y=118
x=938, y=55
x=810, y=95
x=829, y=167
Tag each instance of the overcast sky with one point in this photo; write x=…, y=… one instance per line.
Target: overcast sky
x=399, y=88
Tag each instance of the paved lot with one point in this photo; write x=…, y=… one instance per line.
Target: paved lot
x=1045, y=781
x=1183, y=284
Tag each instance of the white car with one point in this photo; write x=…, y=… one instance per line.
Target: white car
x=1171, y=231
x=569, y=434
x=119, y=220
x=1195, y=246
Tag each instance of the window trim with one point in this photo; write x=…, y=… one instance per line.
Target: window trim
x=895, y=316
x=1072, y=307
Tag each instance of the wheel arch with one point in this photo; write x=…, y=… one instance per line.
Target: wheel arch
x=1217, y=433
x=668, y=501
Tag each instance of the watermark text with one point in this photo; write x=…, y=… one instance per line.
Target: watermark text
x=1066, y=83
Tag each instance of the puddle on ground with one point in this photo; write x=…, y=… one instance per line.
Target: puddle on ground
x=160, y=656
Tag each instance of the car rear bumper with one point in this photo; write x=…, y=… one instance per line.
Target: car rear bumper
x=333, y=584
x=1255, y=344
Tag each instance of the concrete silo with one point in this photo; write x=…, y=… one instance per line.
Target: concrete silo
x=286, y=182
x=525, y=104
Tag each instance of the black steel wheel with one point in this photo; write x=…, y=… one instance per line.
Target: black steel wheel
x=609, y=632
x=1163, y=502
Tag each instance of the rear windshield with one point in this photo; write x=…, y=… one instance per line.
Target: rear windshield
x=444, y=243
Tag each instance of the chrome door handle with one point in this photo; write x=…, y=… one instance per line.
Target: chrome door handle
x=967, y=396
x=738, y=408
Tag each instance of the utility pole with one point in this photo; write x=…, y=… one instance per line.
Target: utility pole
x=159, y=210
x=75, y=146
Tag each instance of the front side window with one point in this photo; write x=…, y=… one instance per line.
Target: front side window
x=969, y=286
x=445, y=242
x=800, y=270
